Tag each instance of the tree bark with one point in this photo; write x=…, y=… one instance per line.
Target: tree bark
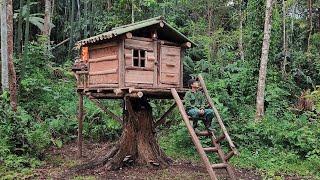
x=310, y=28
x=284, y=37
x=47, y=19
x=12, y=72
x=264, y=61
x=26, y=41
x=4, y=47
x=132, y=11
x=240, y=43
x=72, y=9
x=137, y=144
x=20, y=36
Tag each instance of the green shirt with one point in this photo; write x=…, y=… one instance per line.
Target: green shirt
x=195, y=100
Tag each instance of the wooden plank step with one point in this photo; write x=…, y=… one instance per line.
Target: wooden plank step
x=219, y=166
x=220, y=138
x=210, y=149
x=229, y=155
x=203, y=133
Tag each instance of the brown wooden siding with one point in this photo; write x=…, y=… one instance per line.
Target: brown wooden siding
x=142, y=76
x=170, y=65
x=103, y=65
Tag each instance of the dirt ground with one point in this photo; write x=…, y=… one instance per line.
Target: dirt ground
x=59, y=161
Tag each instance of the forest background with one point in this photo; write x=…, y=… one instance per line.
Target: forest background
x=40, y=111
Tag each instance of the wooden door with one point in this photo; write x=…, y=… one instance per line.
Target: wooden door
x=170, y=60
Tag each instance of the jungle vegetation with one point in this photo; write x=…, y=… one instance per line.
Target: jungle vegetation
x=278, y=134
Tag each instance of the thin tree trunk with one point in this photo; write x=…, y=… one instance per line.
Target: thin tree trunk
x=109, y=5
x=47, y=19
x=4, y=47
x=240, y=43
x=319, y=20
x=91, y=28
x=209, y=13
x=310, y=28
x=284, y=37
x=264, y=61
x=132, y=11
x=72, y=26
x=85, y=33
x=78, y=19
x=12, y=72
x=20, y=36
x=26, y=40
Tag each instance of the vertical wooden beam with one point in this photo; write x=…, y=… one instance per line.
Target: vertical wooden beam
x=121, y=63
x=194, y=137
x=80, y=124
x=156, y=63
x=182, y=52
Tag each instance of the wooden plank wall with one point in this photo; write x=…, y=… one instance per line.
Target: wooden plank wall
x=104, y=65
x=139, y=76
x=170, y=66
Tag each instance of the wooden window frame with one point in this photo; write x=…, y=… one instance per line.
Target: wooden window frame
x=139, y=58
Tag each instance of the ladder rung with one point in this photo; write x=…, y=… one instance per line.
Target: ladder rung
x=203, y=133
x=210, y=149
x=219, y=166
x=229, y=155
x=220, y=138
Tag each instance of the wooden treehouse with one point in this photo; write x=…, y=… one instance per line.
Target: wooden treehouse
x=137, y=62
x=140, y=59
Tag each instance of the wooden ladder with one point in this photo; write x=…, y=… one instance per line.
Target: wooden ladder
x=215, y=140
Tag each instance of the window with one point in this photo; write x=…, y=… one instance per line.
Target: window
x=139, y=58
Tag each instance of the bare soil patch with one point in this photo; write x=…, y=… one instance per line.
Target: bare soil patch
x=59, y=161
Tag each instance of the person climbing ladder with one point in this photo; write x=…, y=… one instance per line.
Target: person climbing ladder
x=197, y=106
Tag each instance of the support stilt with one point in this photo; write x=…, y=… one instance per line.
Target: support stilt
x=80, y=124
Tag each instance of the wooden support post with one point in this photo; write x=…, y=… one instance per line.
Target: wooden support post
x=107, y=111
x=194, y=137
x=224, y=129
x=167, y=113
x=80, y=125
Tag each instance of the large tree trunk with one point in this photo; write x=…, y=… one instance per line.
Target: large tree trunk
x=264, y=61
x=137, y=144
x=4, y=47
x=12, y=71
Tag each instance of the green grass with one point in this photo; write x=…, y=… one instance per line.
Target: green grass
x=271, y=163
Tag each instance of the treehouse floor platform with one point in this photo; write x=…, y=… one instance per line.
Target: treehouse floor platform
x=120, y=93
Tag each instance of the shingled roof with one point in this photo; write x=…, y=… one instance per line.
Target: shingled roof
x=166, y=30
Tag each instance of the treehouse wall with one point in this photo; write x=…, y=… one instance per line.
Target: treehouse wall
x=140, y=67
x=132, y=62
x=103, y=65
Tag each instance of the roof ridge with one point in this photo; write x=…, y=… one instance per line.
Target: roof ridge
x=139, y=22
